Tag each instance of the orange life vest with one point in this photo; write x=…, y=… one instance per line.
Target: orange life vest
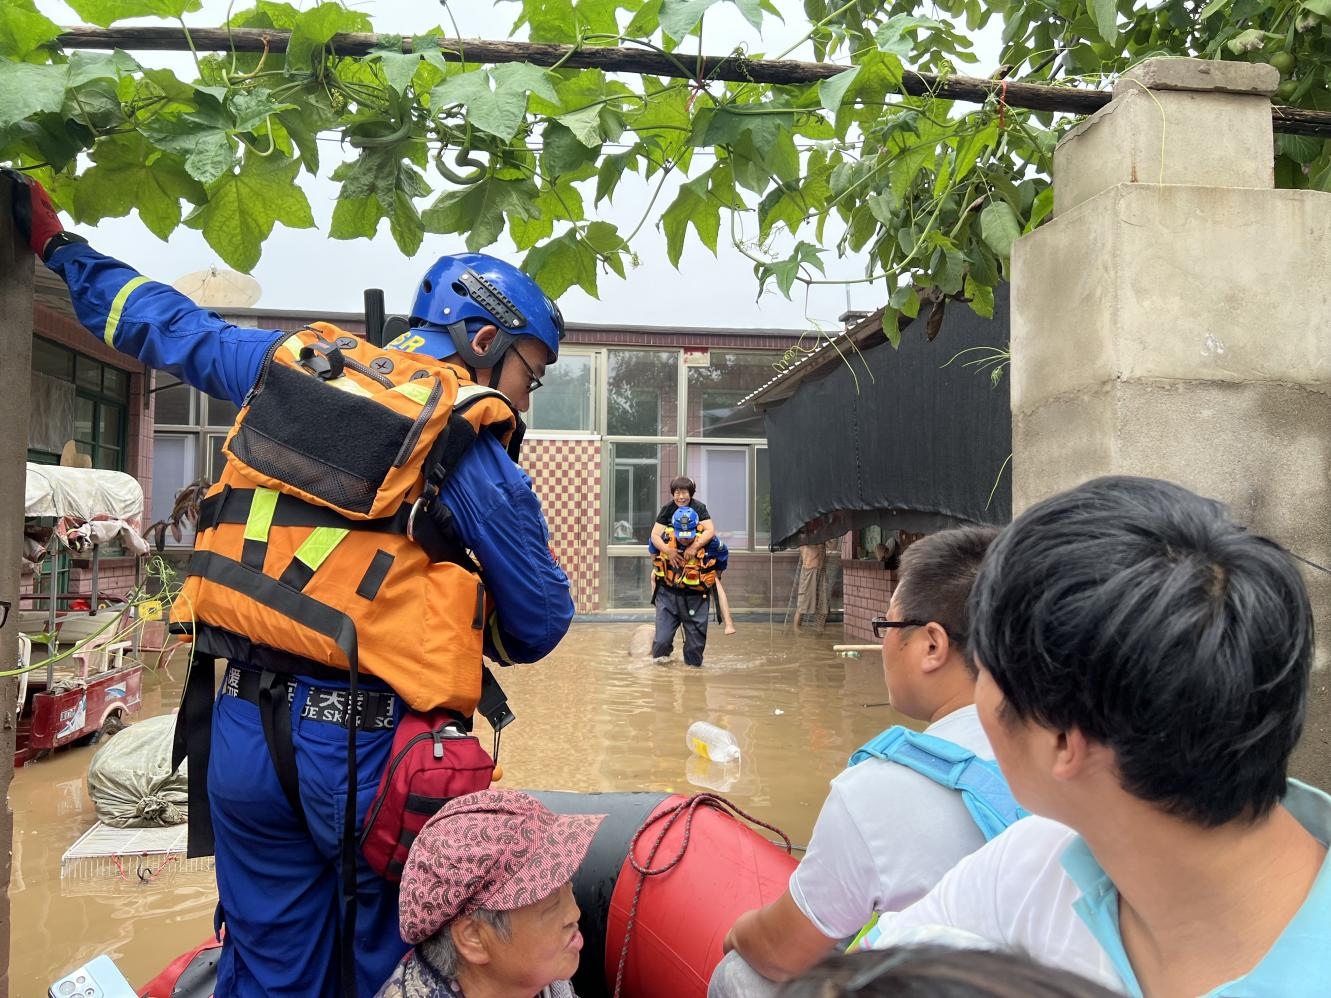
x=698, y=573
x=312, y=547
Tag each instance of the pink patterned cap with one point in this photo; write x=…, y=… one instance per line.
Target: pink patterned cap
x=496, y=849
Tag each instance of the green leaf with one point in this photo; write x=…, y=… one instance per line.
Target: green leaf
x=999, y=228
x=129, y=174
x=499, y=111
x=787, y=271
x=894, y=34
x=981, y=298
x=609, y=245
x=253, y=107
x=679, y=17
x=727, y=124
x=1040, y=208
x=315, y=28
x=1214, y=7
x=693, y=206
x=27, y=89
x=585, y=124
x=404, y=222
x=478, y=210
x=23, y=29
x=610, y=171
x=355, y=218
x=1105, y=15
x=244, y=205
x=1302, y=149
x=104, y=13
x=563, y=152
x=208, y=152
x=832, y=91
x=561, y=263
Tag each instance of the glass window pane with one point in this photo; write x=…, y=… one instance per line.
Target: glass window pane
x=115, y=383
x=216, y=459
x=639, y=476
x=110, y=458
x=566, y=399
x=643, y=393
x=53, y=359
x=715, y=391
x=174, y=458
x=110, y=418
x=630, y=585
x=762, y=528
x=84, y=412
x=173, y=401
x=722, y=474
x=87, y=373
x=220, y=412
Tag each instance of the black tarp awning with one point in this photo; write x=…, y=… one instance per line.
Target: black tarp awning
x=918, y=447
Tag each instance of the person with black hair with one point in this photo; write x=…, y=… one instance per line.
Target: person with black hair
x=1144, y=665
x=910, y=804
x=939, y=972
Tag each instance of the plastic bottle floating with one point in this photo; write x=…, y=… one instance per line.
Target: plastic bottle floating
x=712, y=743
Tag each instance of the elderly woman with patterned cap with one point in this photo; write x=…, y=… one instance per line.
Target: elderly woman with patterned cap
x=487, y=901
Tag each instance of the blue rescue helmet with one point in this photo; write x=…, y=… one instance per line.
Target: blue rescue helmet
x=460, y=294
x=685, y=523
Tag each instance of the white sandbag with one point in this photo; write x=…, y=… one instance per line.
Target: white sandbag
x=130, y=779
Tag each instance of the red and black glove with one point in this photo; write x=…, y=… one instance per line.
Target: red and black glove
x=35, y=215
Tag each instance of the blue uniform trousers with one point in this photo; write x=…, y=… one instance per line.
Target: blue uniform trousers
x=278, y=881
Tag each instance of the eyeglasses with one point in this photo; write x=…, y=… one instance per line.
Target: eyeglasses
x=4, y=612
x=882, y=624
x=535, y=381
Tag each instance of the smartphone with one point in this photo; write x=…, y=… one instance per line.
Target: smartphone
x=99, y=978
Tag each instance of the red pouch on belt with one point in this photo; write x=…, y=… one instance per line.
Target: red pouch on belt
x=433, y=760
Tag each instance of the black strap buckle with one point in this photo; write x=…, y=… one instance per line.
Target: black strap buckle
x=324, y=360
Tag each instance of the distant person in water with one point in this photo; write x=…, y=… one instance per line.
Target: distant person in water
x=487, y=900
x=682, y=492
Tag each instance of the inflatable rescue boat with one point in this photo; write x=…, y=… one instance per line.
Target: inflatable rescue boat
x=663, y=881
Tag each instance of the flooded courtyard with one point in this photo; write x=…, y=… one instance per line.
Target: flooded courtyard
x=589, y=717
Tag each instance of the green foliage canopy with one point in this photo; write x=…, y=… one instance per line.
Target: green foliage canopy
x=931, y=194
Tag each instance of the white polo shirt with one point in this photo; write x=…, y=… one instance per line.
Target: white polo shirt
x=885, y=836
x=1037, y=888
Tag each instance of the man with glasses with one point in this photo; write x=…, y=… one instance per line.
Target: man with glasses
x=909, y=807
x=1144, y=668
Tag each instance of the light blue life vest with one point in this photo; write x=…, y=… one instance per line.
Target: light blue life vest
x=979, y=781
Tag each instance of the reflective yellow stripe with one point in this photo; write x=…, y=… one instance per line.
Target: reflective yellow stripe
x=260, y=519
x=414, y=390
x=293, y=344
x=350, y=387
x=118, y=306
x=319, y=545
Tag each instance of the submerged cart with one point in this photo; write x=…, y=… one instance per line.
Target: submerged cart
x=92, y=685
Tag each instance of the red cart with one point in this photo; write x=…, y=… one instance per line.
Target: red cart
x=92, y=683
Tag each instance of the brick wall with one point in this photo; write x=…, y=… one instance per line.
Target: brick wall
x=566, y=475
x=868, y=589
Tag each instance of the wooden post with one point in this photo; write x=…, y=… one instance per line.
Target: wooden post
x=15, y=382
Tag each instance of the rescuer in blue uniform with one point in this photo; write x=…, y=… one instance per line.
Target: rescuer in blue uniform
x=277, y=876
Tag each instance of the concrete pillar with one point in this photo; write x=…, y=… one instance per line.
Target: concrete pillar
x=15, y=368
x=1172, y=321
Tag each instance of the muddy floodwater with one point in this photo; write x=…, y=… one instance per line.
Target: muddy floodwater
x=590, y=717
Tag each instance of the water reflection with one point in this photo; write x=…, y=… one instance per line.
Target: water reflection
x=591, y=717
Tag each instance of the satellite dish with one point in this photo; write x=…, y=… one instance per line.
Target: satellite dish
x=213, y=288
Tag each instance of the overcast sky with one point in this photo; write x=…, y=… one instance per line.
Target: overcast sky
x=303, y=269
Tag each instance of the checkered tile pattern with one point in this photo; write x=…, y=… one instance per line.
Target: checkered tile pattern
x=567, y=477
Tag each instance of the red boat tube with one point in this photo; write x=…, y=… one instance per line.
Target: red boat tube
x=683, y=912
